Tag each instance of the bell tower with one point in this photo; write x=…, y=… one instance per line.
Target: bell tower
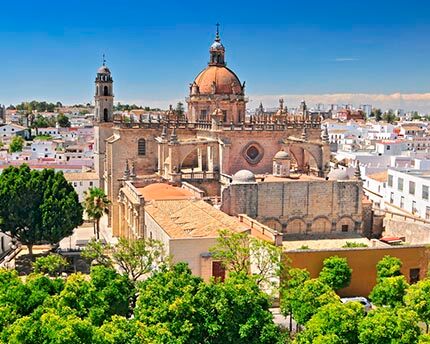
x=104, y=94
x=103, y=119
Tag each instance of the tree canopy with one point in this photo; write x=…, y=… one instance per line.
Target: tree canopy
x=336, y=272
x=37, y=207
x=63, y=121
x=389, y=325
x=389, y=291
x=336, y=321
x=16, y=144
x=388, y=267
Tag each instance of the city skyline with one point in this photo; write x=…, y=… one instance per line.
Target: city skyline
x=324, y=53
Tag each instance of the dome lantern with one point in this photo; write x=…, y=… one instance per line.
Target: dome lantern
x=217, y=51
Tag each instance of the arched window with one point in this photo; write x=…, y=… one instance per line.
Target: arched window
x=106, y=115
x=141, y=147
x=105, y=91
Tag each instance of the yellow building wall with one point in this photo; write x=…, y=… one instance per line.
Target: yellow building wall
x=363, y=263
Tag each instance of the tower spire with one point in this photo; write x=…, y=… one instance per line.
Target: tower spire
x=217, y=38
x=104, y=60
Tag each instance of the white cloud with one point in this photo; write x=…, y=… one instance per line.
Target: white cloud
x=406, y=101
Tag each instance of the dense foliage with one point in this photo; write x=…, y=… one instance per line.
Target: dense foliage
x=173, y=306
x=16, y=144
x=37, y=207
x=336, y=272
x=397, y=316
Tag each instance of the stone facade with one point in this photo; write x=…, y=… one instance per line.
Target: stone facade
x=295, y=206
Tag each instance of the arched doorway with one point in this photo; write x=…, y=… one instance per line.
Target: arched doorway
x=106, y=115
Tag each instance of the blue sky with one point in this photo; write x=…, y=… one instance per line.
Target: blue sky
x=50, y=50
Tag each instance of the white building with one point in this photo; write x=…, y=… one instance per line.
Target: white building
x=43, y=149
x=51, y=131
x=82, y=181
x=9, y=130
x=408, y=191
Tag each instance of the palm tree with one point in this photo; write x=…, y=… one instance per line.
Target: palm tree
x=96, y=205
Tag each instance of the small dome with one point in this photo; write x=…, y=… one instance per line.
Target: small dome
x=103, y=70
x=338, y=174
x=243, y=177
x=282, y=155
x=226, y=82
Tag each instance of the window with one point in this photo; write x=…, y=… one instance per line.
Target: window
x=344, y=228
x=425, y=194
x=400, y=184
x=105, y=91
x=390, y=180
x=414, y=275
x=91, y=183
x=414, y=207
x=388, y=147
x=141, y=147
x=412, y=188
x=402, y=202
x=252, y=152
x=218, y=271
x=427, y=213
x=203, y=114
x=391, y=197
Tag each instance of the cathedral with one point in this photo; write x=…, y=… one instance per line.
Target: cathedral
x=220, y=154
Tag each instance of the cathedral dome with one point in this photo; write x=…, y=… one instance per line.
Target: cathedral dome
x=243, y=177
x=224, y=79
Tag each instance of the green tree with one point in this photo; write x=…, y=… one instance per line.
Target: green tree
x=119, y=330
x=424, y=339
x=313, y=295
x=265, y=258
x=417, y=298
x=96, y=205
x=291, y=284
x=63, y=121
x=232, y=249
x=37, y=207
x=336, y=272
x=138, y=257
x=388, y=267
x=390, y=291
x=52, y=264
x=389, y=325
x=96, y=253
x=179, y=308
x=389, y=116
x=180, y=110
x=17, y=144
x=334, y=320
x=377, y=113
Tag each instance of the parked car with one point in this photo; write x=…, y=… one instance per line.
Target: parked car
x=365, y=302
